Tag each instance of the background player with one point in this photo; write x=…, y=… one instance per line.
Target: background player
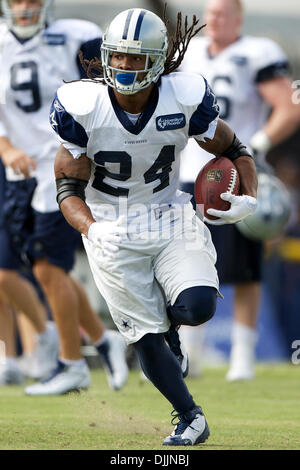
x=250, y=77
x=140, y=256
x=17, y=294
x=36, y=55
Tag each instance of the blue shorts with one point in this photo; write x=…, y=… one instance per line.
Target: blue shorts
x=35, y=235
x=8, y=259
x=239, y=259
x=2, y=186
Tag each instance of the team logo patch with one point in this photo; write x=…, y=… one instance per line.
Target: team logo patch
x=126, y=324
x=214, y=175
x=53, y=122
x=170, y=122
x=239, y=60
x=59, y=108
x=54, y=39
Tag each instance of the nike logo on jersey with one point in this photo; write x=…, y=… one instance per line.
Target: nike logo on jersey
x=170, y=122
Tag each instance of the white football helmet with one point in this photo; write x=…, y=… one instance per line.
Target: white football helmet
x=273, y=210
x=26, y=31
x=135, y=31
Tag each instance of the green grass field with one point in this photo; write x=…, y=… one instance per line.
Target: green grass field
x=262, y=414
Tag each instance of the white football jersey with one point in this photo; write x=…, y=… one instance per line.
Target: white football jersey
x=234, y=75
x=133, y=164
x=30, y=73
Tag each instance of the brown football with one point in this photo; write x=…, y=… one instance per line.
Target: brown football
x=216, y=177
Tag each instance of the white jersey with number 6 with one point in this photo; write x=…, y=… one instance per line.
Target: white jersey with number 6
x=234, y=75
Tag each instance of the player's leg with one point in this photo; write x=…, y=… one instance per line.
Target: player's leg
x=193, y=307
x=27, y=335
x=163, y=369
x=192, y=287
x=69, y=304
x=10, y=373
x=244, y=335
x=239, y=263
x=246, y=303
x=192, y=290
x=9, y=370
x=53, y=258
x=193, y=339
x=21, y=294
x=161, y=366
x=110, y=344
x=19, y=291
x=26, y=332
x=71, y=372
x=137, y=305
x=62, y=298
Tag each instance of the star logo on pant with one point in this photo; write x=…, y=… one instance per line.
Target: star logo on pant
x=126, y=325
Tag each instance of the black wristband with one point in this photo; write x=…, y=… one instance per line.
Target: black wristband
x=67, y=187
x=236, y=150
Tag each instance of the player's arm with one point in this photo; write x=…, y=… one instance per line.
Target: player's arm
x=225, y=143
x=15, y=158
x=72, y=176
x=284, y=118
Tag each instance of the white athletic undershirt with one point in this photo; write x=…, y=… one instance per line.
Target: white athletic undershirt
x=132, y=117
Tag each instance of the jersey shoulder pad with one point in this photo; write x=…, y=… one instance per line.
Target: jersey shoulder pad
x=188, y=88
x=80, y=30
x=263, y=51
x=79, y=98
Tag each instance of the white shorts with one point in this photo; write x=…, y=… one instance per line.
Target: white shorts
x=150, y=270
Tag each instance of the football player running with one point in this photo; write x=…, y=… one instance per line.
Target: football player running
x=117, y=174
x=250, y=77
x=36, y=55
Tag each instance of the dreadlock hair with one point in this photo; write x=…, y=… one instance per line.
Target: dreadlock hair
x=93, y=68
x=179, y=42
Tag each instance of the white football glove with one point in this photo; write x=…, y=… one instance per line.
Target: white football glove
x=241, y=207
x=107, y=235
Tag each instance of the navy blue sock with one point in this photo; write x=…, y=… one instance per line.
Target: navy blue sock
x=163, y=369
